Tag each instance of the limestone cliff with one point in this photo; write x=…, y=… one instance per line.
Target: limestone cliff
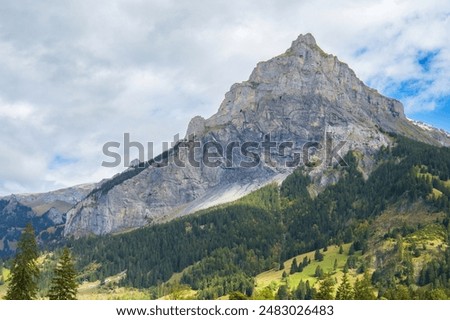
x=303, y=97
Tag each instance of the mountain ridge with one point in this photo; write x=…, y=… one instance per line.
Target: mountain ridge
x=46, y=211
x=297, y=97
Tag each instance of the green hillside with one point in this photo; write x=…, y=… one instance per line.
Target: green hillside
x=271, y=277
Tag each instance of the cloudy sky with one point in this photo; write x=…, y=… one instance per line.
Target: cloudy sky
x=77, y=74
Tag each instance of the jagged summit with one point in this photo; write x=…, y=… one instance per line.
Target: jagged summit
x=303, y=41
x=305, y=80
x=303, y=95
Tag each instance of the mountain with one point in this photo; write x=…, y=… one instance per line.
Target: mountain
x=46, y=211
x=327, y=180
x=303, y=96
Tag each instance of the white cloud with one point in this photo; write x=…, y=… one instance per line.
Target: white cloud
x=76, y=74
x=16, y=111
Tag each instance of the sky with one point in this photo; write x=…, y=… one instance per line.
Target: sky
x=75, y=75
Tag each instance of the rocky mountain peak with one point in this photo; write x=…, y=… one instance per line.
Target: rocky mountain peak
x=305, y=46
x=301, y=96
x=305, y=79
x=307, y=39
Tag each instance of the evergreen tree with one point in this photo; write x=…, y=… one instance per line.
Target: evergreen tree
x=319, y=272
x=300, y=292
x=310, y=292
x=335, y=264
x=23, y=282
x=294, y=266
x=345, y=290
x=283, y=293
x=351, y=262
x=305, y=262
x=351, y=251
x=341, y=249
x=64, y=284
x=318, y=256
x=346, y=268
x=326, y=289
x=304, y=291
x=364, y=289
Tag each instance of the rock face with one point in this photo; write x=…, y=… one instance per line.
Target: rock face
x=304, y=98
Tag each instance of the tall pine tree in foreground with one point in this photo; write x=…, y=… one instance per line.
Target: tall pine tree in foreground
x=345, y=290
x=363, y=289
x=64, y=283
x=24, y=271
x=326, y=289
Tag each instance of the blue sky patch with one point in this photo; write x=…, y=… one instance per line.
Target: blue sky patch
x=425, y=59
x=439, y=118
x=59, y=161
x=408, y=88
x=359, y=52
